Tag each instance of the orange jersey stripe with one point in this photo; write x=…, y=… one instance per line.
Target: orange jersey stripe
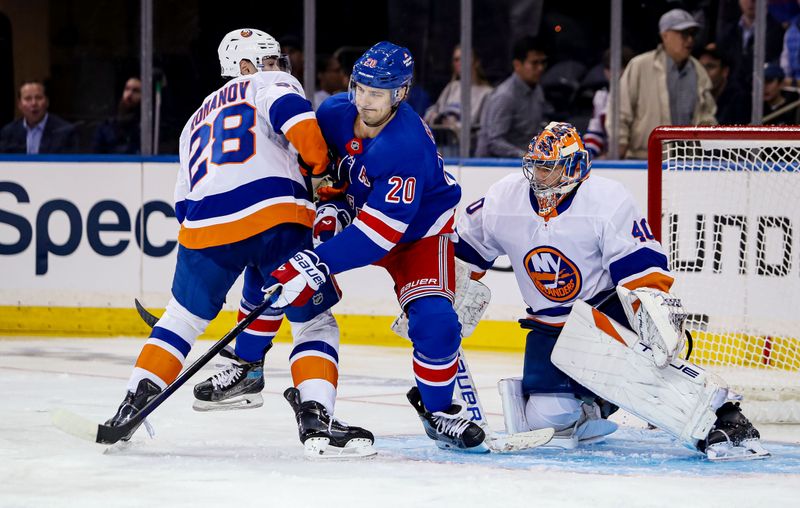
x=603, y=323
x=314, y=367
x=307, y=139
x=230, y=232
x=655, y=280
x=160, y=362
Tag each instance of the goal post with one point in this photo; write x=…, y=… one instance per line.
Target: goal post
x=725, y=203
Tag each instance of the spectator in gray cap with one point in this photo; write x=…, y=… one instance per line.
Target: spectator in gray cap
x=665, y=86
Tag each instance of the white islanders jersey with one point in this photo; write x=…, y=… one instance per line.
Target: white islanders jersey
x=239, y=171
x=594, y=240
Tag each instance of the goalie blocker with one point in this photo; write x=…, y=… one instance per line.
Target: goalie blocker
x=682, y=399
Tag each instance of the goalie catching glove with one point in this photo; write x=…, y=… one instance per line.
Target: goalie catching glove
x=658, y=319
x=300, y=278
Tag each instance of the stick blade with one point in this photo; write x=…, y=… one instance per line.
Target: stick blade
x=521, y=441
x=75, y=425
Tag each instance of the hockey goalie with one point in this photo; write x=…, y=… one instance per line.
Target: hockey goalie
x=604, y=330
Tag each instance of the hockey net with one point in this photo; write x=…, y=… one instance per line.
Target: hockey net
x=725, y=203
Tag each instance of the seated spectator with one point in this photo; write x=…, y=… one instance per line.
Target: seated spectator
x=733, y=103
x=330, y=79
x=446, y=112
x=517, y=108
x=121, y=134
x=38, y=131
x=776, y=99
x=293, y=48
x=665, y=86
x=418, y=98
x=596, y=137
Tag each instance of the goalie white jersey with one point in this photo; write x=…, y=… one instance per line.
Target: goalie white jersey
x=582, y=250
x=239, y=171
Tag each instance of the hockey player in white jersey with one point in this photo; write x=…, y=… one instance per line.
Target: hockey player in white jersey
x=604, y=328
x=243, y=203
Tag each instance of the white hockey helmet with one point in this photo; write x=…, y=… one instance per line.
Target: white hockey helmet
x=248, y=44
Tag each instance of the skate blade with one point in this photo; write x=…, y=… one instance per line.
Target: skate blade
x=247, y=401
x=74, y=425
x=319, y=448
x=748, y=450
x=520, y=441
x=481, y=448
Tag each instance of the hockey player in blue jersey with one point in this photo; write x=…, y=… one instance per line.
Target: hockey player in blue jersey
x=601, y=318
x=402, y=205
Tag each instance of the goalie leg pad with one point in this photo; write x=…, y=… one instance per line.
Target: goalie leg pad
x=609, y=359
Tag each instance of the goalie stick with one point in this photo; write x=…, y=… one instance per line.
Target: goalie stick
x=105, y=434
x=465, y=386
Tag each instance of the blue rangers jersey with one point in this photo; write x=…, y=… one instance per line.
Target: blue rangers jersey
x=595, y=240
x=398, y=189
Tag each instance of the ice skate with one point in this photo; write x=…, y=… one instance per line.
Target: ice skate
x=325, y=437
x=132, y=404
x=237, y=386
x=450, y=429
x=732, y=437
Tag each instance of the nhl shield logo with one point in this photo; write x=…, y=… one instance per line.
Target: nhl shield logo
x=555, y=276
x=317, y=299
x=354, y=146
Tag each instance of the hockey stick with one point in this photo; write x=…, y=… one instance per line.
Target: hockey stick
x=105, y=434
x=468, y=392
x=147, y=317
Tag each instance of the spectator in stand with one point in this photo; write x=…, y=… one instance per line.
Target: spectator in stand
x=446, y=112
x=735, y=43
x=733, y=103
x=596, y=137
x=517, y=108
x=291, y=47
x=790, y=54
x=38, y=131
x=665, y=86
x=330, y=79
x=121, y=134
x=775, y=98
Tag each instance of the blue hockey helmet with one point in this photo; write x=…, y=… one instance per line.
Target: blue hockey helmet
x=384, y=65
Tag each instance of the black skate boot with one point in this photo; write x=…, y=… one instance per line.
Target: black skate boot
x=732, y=437
x=133, y=403
x=237, y=386
x=449, y=428
x=324, y=436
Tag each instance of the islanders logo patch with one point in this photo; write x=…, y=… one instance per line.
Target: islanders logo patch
x=553, y=274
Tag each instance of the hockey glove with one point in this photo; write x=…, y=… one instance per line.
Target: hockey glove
x=658, y=319
x=300, y=278
x=331, y=220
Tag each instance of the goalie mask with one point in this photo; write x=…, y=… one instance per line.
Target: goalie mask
x=386, y=66
x=249, y=44
x=556, y=162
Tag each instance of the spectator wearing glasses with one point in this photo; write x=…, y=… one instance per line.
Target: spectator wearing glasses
x=665, y=86
x=517, y=107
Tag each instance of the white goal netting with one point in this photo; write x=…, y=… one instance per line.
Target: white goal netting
x=730, y=223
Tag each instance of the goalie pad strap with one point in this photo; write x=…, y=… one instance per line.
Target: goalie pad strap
x=680, y=399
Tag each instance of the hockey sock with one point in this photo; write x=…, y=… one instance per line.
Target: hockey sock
x=435, y=380
x=314, y=359
x=164, y=353
x=254, y=340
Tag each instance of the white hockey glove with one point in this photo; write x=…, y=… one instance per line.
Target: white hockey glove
x=330, y=221
x=659, y=321
x=472, y=298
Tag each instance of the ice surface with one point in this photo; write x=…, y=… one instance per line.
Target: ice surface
x=254, y=458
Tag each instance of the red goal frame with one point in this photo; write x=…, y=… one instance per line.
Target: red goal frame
x=720, y=132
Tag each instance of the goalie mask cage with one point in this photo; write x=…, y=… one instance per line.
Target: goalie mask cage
x=725, y=204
